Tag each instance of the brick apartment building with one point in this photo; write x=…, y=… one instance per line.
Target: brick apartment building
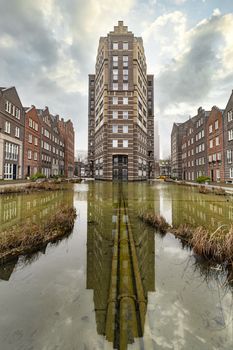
x=32, y=142
x=66, y=130
x=11, y=134
x=215, y=145
x=53, y=160
x=228, y=139
x=178, y=131
x=121, y=110
x=188, y=147
x=203, y=145
x=187, y=150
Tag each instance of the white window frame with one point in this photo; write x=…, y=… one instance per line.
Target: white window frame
x=114, y=143
x=7, y=127
x=125, y=143
x=114, y=114
x=125, y=129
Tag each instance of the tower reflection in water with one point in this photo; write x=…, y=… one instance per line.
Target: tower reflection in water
x=120, y=262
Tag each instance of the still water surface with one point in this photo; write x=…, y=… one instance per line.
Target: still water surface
x=57, y=298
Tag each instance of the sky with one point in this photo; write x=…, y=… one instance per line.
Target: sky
x=48, y=48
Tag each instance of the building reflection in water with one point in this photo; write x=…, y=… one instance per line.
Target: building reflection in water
x=36, y=207
x=198, y=209
x=107, y=219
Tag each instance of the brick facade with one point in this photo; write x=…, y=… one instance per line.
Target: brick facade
x=11, y=134
x=121, y=110
x=228, y=140
x=215, y=145
x=66, y=130
x=32, y=142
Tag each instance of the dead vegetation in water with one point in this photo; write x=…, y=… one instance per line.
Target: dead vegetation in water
x=155, y=220
x=204, y=190
x=23, y=239
x=219, y=191
x=216, y=246
x=32, y=187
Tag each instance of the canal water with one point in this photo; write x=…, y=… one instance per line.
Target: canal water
x=60, y=297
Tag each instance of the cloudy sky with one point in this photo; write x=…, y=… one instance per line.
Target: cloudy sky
x=48, y=48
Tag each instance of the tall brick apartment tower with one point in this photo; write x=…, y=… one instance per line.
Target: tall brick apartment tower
x=121, y=110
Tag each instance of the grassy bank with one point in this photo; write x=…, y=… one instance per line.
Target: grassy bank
x=25, y=239
x=33, y=187
x=216, y=246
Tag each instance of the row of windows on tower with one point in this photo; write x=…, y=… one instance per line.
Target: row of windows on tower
x=115, y=61
x=120, y=45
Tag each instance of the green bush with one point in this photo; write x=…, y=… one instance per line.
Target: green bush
x=37, y=176
x=202, y=179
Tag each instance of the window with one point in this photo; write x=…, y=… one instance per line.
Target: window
x=229, y=116
x=17, y=131
x=229, y=156
x=7, y=127
x=230, y=135
x=115, y=74
x=231, y=173
x=8, y=106
x=125, y=129
x=125, y=143
x=115, y=128
x=125, y=114
x=125, y=61
x=125, y=86
x=114, y=143
x=210, y=129
x=115, y=100
x=115, y=114
x=125, y=46
x=8, y=171
x=30, y=123
x=211, y=143
x=35, y=155
x=216, y=124
x=217, y=141
x=36, y=141
x=115, y=46
x=125, y=100
x=17, y=113
x=115, y=61
x=115, y=86
x=11, y=151
x=29, y=138
x=29, y=154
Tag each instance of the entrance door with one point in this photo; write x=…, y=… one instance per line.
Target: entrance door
x=14, y=171
x=120, y=167
x=212, y=175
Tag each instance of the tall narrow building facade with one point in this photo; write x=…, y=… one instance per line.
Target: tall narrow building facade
x=121, y=110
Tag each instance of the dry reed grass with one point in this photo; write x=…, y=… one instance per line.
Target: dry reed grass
x=155, y=220
x=204, y=190
x=216, y=246
x=40, y=186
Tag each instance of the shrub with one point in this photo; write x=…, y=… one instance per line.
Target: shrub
x=202, y=179
x=37, y=176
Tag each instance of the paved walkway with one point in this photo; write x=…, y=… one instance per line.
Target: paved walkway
x=14, y=183
x=227, y=187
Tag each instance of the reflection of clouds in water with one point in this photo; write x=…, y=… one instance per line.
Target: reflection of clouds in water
x=186, y=312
